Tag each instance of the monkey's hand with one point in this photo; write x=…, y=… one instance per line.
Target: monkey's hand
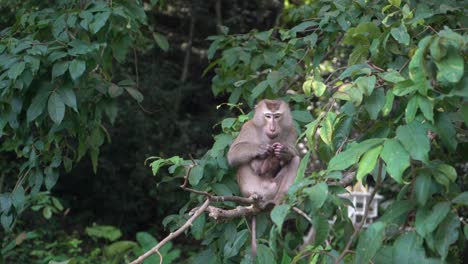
x=282, y=152
x=264, y=150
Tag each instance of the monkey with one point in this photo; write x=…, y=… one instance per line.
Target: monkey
x=265, y=155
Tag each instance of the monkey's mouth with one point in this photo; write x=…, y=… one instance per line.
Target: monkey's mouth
x=272, y=135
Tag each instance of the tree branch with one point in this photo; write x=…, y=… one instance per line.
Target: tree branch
x=173, y=235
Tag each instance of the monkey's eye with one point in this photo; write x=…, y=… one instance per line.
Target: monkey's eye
x=268, y=116
x=277, y=116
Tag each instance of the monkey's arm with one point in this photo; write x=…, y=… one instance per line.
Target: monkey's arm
x=243, y=152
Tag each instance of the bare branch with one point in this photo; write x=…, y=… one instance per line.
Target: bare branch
x=173, y=235
x=240, y=211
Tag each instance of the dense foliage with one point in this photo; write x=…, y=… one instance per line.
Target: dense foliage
x=376, y=87
x=390, y=83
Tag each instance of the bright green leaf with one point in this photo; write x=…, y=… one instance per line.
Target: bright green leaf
x=411, y=108
x=368, y=162
x=427, y=107
x=352, y=154
x=451, y=68
x=318, y=88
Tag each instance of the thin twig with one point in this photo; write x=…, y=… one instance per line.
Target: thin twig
x=302, y=213
x=173, y=235
x=364, y=218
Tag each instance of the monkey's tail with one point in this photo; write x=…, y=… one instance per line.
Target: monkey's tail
x=254, y=238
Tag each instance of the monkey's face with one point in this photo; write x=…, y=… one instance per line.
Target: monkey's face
x=272, y=126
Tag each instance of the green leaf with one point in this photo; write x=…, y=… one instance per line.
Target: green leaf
x=6, y=221
x=352, y=154
x=68, y=97
x=427, y=107
x=368, y=162
x=349, y=92
x=396, y=158
x=135, y=94
x=56, y=108
x=408, y=249
x=444, y=174
x=99, y=21
x=369, y=242
x=366, y=84
x=51, y=178
x=387, y=108
x=196, y=174
x=450, y=69
x=119, y=248
x=59, y=68
x=404, y=88
x=411, y=108
x=396, y=211
x=414, y=139
x=417, y=67
x=428, y=220
x=307, y=87
x=374, y=103
x=37, y=105
x=326, y=130
x=259, y=89
x=422, y=187
x=108, y=232
x=161, y=41
x=147, y=242
x=18, y=198
x=16, y=70
x=76, y=68
x=322, y=228
x=446, y=234
x=446, y=131
x=318, y=88
x=302, y=116
x=265, y=255
x=392, y=77
x=462, y=199
x=317, y=195
x=232, y=249
x=401, y=35
x=278, y=214
x=302, y=168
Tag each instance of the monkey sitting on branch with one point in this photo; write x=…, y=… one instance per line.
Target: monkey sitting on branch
x=265, y=155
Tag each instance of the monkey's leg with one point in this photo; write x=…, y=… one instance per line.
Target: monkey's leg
x=285, y=178
x=250, y=183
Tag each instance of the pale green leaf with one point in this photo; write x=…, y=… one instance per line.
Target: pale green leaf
x=59, y=68
x=135, y=94
x=422, y=187
x=99, y=21
x=56, y=108
x=462, y=198
x=16, y=70
x=375, y=103
x=76, y=68
x=401, y=35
